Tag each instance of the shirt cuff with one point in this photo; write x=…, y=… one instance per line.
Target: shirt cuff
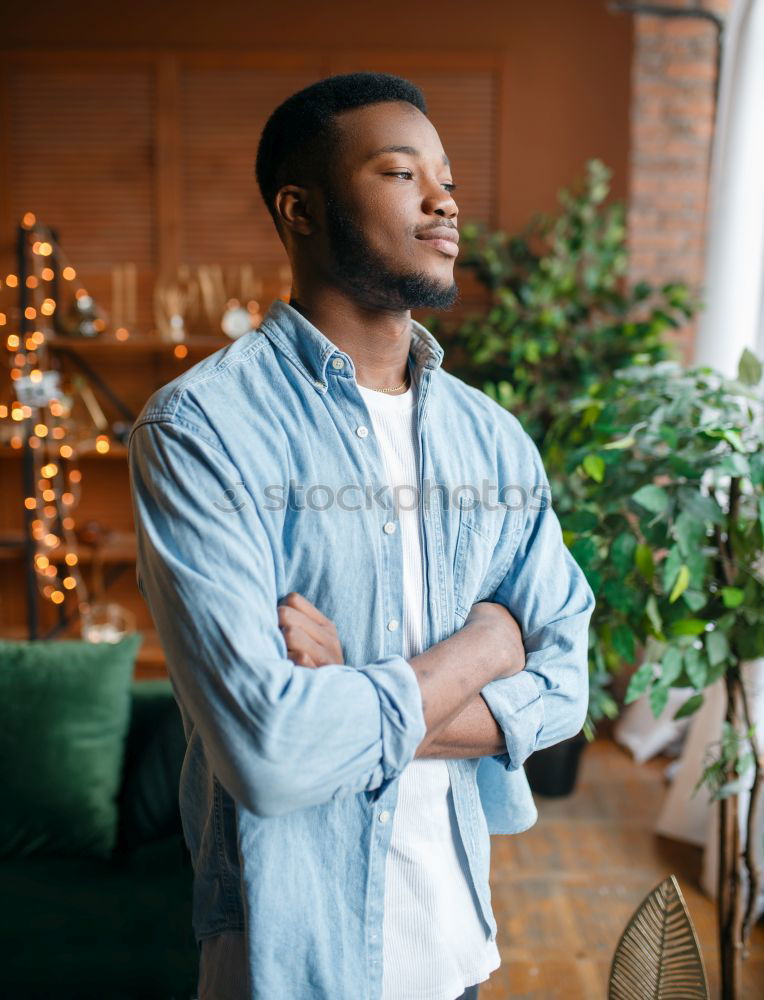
x=403, y=725
x=516, y=704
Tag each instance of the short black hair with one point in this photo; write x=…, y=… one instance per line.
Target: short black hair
x=300, y=137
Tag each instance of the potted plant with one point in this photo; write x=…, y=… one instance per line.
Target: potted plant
x=667, y=521
x=562, y=314
x=562, y=317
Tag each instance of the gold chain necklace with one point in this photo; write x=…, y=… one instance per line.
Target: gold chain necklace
x=394, y=388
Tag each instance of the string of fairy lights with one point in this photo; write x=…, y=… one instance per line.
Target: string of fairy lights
x=36, y=413
x=40, y=415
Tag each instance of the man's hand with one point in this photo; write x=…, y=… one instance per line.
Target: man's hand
x=310, y=636
x=503, y=631
x=312, y=639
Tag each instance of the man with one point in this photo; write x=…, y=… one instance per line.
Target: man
x=360, y=678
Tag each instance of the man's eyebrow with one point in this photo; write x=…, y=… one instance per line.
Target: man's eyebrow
x=402, y=149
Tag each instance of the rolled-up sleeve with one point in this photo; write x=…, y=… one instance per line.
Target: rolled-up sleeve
x=548, y=595
x=279, y=736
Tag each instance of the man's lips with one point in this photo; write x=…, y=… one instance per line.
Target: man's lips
x=444, y=239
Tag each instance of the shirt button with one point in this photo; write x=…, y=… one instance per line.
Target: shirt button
x=338, y=363
x=384, y=816
x=389, y=528
x=362, y=431
x=392, y=625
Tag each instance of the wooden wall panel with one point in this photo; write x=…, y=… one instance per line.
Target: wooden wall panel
x=222, y=113
x=81, y=157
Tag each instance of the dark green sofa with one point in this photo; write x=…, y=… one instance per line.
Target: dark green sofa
x=82, y=928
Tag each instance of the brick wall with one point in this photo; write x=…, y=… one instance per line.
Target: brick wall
x=673, y=78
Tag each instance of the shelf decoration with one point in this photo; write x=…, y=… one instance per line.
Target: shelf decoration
x=40, y=418
x=211, y=298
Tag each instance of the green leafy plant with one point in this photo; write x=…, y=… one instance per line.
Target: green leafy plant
x=562, y=316
x=664, y=511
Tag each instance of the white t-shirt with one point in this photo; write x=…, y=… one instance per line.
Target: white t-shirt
x=435, y=943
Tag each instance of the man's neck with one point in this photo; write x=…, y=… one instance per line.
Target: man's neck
x=378, y=342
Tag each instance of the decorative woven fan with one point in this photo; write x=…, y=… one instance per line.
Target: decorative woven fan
x=658, y=957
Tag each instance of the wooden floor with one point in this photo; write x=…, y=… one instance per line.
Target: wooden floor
x=563, y=892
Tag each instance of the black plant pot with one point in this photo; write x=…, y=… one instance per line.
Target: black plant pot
x=552, y=772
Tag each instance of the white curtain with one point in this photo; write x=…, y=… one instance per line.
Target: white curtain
x=734, y=274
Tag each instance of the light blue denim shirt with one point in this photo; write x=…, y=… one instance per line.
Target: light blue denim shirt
x=256, y=473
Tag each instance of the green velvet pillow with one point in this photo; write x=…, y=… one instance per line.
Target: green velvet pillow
x=64, y=716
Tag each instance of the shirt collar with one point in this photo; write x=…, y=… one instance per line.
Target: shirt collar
x=310, y=350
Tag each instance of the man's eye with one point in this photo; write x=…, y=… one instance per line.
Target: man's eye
x=407, y=173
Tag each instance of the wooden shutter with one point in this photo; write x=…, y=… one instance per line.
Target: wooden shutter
x=222, y=113
x=81, y=157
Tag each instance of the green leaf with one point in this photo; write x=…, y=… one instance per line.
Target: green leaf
x=624, y=642
x=622, y=551
x=715, y=673
x=639, y=682
x=652, y=498
x=653, y=614
x=696, y=563
x=703, y=507
x=717, y=647
x=691, y=706
x=584, y=551
x=756, y=461
x=682, y=580
x=733, y=437
x=688, y=626
x=620, y=444
x=732, y=597
x=619, y=596
x=643, y=557
x=580, y=521
x=669, y=435
x=594, y=466
x=688, y=532
x=695, y=599
x=733, y=465
x=671, y=567
x=658, y=699
x=671, y=666
x=695, y=666
x=749, y=368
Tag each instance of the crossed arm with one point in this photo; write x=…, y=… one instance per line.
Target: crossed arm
x=312, y=640
x=473, y=733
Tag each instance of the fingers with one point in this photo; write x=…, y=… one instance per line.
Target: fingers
x=300, y=603
x=300, y=657
x=318, y=632
x=308, y=633
x=301, y=643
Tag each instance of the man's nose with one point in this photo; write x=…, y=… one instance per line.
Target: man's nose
x=441, y=202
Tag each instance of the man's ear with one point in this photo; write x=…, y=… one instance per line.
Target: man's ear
x=294, y=209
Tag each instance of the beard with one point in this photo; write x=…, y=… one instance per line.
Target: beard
x=358, y=267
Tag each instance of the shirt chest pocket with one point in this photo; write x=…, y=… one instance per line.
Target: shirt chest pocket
x=476, y=571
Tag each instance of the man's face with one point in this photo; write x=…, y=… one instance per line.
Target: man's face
x=381, y=206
